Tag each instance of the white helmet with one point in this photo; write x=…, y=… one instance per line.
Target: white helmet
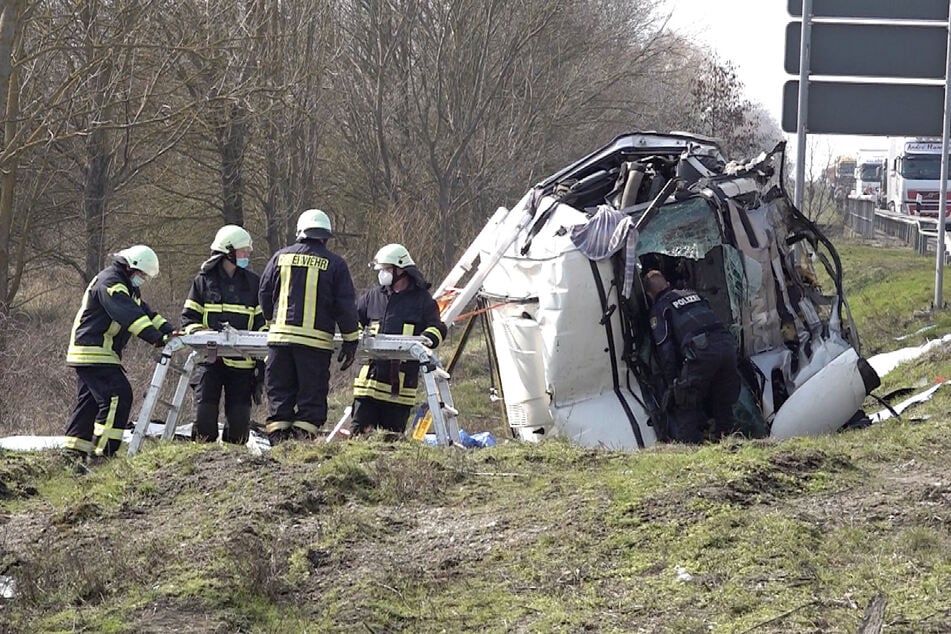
x=313, y=223
x=393, y=254
x=231, y=237
x=140, y=258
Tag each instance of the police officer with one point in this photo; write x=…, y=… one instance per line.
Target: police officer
x=698, y=358
x=112, y=310
x=384, y=391
x=224, y=292
x=305, y=291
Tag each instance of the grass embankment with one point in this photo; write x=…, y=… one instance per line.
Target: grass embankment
x=798, y=536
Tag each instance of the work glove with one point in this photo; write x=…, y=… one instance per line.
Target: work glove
x=257, y=383
x=430, y=340
x=348, y=352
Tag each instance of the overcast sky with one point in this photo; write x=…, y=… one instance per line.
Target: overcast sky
x=751, y=34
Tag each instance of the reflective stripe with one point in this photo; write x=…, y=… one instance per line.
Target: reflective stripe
x=106, y=431
x=363, y=386
x=280, y=315
x=158, y=321
x=432, y=330
x=79, y=444
x=140, y=324
x=117, y=288
x=310, y=295
x=408, y=329
x=193, y=305
x=230, y=308
x=310, y=428
x=241, y=364
x=277, y=337
x=190, y=328
x=350, y=336
x=278, y=425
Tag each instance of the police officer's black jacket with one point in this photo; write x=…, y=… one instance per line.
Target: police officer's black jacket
x=412, y=311
x=112, y=310
x=216, y=298
x=676, y=318
x=306, y=290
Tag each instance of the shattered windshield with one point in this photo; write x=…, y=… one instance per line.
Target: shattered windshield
x=687, y=229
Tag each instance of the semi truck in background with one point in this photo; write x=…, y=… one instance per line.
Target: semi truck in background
x=912, y=184
x=843, y=178
x=869, y=173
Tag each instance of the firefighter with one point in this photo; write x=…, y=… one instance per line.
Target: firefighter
x=305, y=291
x=225, y=292
x=384, y=391
x=112, y=310
x=697, y=355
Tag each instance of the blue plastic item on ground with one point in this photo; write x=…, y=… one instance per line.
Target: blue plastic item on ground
x=480, y=439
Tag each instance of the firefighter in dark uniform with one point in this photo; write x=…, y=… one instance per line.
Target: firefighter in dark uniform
x=111, y=312
x=698, y=358
x=305, y=291
x=384, y=391
x=224, y=292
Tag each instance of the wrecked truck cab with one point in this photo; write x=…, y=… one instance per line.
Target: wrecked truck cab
x=569, y=320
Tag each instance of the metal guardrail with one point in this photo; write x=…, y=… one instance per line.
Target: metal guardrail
x=920, y=233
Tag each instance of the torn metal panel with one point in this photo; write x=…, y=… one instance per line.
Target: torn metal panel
x=573, y=344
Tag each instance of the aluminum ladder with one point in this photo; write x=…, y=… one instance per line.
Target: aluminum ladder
x=230, y=342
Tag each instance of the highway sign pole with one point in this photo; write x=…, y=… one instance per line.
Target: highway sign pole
x=943, y=192
x=803, y=103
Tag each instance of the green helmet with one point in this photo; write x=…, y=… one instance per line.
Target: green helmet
x=140, y=258
x=393, y=254
x=313, y=223
x=231, y=237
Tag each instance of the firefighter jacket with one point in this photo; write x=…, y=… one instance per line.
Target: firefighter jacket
x=305, y=290
x=412, y=311
x=676, y=318
x=112, y=310
x=216, y=299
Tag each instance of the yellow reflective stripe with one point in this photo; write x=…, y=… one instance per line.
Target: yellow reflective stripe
x=105, y=430
x=301, y=331
x=140, y=324
x=158, y=321
x=409, y=329
x=281, y=313
x=91, y=355
x=239, y=309
x=79, y=444
x=108, y=433
x=193, y=305
x=278, y=425
x=384, y=395
x=310, y=296
x=280, y=337
x=350, y=336
x=117, y=288
x=434, y=332
x=306, y=426
x=241, y=364
x=374, y=327
x=190, y=328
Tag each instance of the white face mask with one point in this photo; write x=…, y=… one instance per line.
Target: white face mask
x=385, y=277
x=138, y=280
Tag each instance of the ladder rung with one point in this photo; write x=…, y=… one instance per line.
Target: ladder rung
x=168, y=404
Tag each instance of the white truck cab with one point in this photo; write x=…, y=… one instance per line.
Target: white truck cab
x=914, y=174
